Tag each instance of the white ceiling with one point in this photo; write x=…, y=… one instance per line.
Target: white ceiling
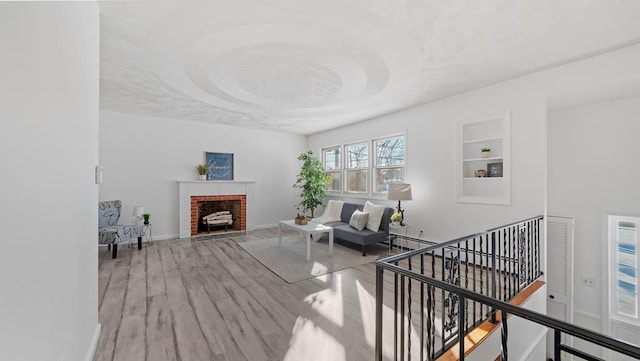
x=304, y=66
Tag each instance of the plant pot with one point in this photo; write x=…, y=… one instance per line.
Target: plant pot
x=301, y=222
x=485, y=154
x=202, y=177
x=395, y=224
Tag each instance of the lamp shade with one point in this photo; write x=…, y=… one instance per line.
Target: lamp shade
x=399, y=192
x=138, y=211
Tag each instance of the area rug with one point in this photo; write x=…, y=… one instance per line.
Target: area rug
x=288, y=261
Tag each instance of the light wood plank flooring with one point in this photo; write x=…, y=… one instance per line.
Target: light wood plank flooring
x=210, y=300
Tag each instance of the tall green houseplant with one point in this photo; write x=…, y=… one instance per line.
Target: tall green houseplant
x=312, y=180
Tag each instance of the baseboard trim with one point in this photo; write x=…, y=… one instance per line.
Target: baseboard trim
x=265, y=226
x=94, y=343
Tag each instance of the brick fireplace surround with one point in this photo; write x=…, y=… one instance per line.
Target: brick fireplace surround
x=196, y=188
x=241, y=217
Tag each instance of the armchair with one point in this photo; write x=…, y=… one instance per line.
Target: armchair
x=112, y=234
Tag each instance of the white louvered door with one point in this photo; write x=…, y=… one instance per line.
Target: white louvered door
x=559, y=272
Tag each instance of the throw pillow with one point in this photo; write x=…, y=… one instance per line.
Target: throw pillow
x=375, y=215
x=359, y=220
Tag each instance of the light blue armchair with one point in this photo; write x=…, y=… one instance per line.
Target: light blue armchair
x=112, y=234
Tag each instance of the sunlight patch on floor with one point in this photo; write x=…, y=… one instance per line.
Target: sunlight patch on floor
x=312, y=343
x=328, y=303
x=318, y=268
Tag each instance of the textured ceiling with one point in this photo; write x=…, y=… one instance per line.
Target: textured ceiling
x=304, y=66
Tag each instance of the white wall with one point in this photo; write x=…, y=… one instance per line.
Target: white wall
x=526, y=340
x=431, y=143
x=143, y=157
x=48, y=208
x=431, y=159
x=594, y=171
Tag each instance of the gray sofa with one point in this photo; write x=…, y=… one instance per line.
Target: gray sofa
x=342, y=231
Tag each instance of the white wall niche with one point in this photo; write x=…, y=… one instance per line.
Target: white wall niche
x=493, y=133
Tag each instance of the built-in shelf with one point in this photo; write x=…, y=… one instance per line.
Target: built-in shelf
x=483, y=140
x=482, y=159
x=495, y=187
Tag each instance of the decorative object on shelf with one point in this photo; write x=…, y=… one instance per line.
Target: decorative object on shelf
x=202, y=171
x=146, y=218
x=486, y=152
x=220, y=166
x=313, y=181
x=480, y=173
x=399, y=192
x=138, y=213
x=494, y=169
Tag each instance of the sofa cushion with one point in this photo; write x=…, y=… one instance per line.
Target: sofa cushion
x=347, y=211
x=375, y=215
x=359, y=220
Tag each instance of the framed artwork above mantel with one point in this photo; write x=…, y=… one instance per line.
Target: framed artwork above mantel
x=220, y=166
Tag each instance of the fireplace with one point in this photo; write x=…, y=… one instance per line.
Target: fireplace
x=215, y=190
x=203, y=205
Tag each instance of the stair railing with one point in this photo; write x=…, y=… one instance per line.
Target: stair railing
x=447, y=290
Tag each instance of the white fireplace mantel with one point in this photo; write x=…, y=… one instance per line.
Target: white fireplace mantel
x=189, y=188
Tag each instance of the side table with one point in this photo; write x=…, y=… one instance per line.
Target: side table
x=397, y=231
x=147, y=233
x=400, y=233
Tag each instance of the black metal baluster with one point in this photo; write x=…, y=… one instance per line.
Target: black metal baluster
x=379, y=306
x=474, y=278
x=409, y=316
x=514, y=256
x=422, y=308
x=505, y=265
x=395, y=314
x=529, y=254
x=504, y=353
x=444, y=312
x=466, y=274
x=494, y=288
x=481, y=276
x=556, y=345
x=402, y=302
x=429, y=325
x=461, y=326
x=498, y=267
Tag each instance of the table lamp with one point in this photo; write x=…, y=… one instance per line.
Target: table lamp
x=138, y=211
x=399, y=192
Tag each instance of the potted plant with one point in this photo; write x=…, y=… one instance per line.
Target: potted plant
x=202, y=171
x=146, y=218
x=396, y=218
x=485, y=152
x=313, y=181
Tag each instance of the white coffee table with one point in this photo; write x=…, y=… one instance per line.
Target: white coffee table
x=307, y=230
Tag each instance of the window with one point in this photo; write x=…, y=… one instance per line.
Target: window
x=357, y=167
x=367, y=167
x=389, y=163
x=623, y=268
x=331, y=159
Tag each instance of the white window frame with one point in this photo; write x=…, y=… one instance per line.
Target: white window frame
x=347, y=168
x=614, y=313
x=375, y=167
x=334, y=170
x=370, y=168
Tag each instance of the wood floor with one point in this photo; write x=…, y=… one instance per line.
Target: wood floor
x=210, y=300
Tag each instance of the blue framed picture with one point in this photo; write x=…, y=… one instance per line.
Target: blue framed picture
x=220, y=166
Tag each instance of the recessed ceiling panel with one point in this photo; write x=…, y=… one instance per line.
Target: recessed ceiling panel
x=307, y=66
